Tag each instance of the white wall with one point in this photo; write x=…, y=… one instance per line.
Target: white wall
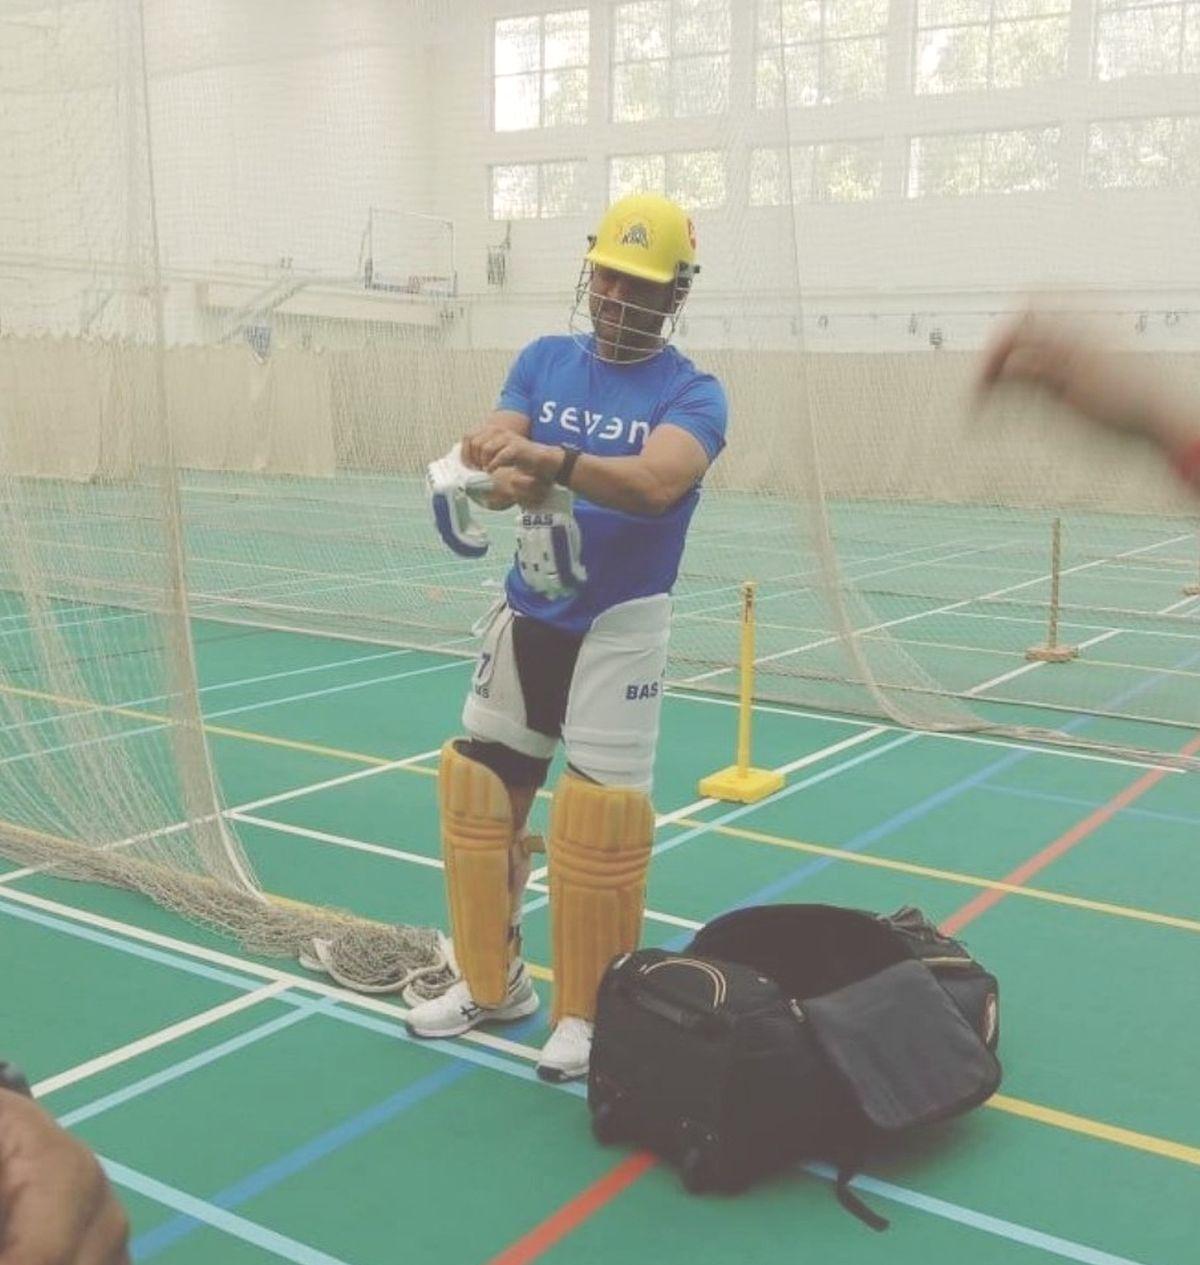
x=275, y=125
x=892, y=254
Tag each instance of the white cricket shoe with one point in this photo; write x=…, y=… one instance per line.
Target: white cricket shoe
x=566, y=1055
x=455, y=1011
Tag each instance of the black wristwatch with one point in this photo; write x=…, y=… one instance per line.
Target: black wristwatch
x=13, y=1079
x=563, y=477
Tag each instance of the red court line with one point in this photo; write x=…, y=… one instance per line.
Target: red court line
x=573, y=1214
x=1064, y=843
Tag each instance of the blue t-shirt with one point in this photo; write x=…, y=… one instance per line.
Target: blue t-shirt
x=576, y=400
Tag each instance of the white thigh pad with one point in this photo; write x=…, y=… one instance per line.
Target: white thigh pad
x=495, y=706
x=611, y=727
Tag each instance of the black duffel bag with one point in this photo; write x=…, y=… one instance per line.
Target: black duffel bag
x=788, y=1032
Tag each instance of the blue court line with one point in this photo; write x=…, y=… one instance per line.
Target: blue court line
x=175, y=1071
x=147, y=1246
x=302, y=1254
x=923, y=807
x=339, y=689
x=467, y=1053
x=735, y=814
x=243, y=983
x=1074, y=801
x=976, y=1220
x=282, y=1166
x=119, y=735
x=158, y=726
x=203, y=1213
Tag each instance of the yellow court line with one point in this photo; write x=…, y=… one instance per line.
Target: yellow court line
x=1163, y=1147
x=920, y=871
x=312, y=748
x=246, y=735
x=951, y=876
x=1098, y=1129
x=755, y=836
x=1128, y=1138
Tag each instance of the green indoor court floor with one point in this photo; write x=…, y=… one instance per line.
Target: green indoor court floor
x=248, y=1112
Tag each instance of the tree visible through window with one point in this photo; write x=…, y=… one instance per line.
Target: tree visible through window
x=817, y=52
x=530, y=191
x=1146, y=37
x=976, y=45
x=834, y=171
x=1012, y=161
x=541, y=70
x=670, y=59
x=695, y=179
x=1152, y=153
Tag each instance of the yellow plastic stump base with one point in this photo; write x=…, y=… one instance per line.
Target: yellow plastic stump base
x=742, y=786
x=1051, y=654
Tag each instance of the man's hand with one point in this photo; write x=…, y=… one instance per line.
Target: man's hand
x=500, y=449
x=56, y=1206
x=510, y=487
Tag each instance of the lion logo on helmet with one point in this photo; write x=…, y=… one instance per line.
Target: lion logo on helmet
x=635, y=233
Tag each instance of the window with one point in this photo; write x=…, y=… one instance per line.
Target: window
x=531, y=191
x=977, y=45
x=541, y=71
x=1150, y=153
x=834, y=171
x=1146, y=37
x=670, y=59
x=983, y=162
x=814, y=52
x=695, y=179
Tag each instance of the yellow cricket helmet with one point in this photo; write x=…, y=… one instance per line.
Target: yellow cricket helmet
x=646, y=235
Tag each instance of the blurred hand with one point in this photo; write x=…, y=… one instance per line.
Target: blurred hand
x=56, y=1206
x=1104, y=387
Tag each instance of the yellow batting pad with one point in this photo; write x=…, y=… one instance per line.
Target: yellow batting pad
x=600, y=840
x=477, y=836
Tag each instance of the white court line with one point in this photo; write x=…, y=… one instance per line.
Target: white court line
x=925, y=614
x=803, y=762
x=338, y=841
x=338, y=689
x=154, y=1040
x=179, y=826
x=214, y=616
x=1170, y=610
x=1029, y=667
x=796, y=575
x=312, y=788
x=1082, y=626
x=204, y=689
x=50, y=626
x=158, y=726
x=1083, y=645
x=245, y=966
x=1064, y=753
x=871, y=575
